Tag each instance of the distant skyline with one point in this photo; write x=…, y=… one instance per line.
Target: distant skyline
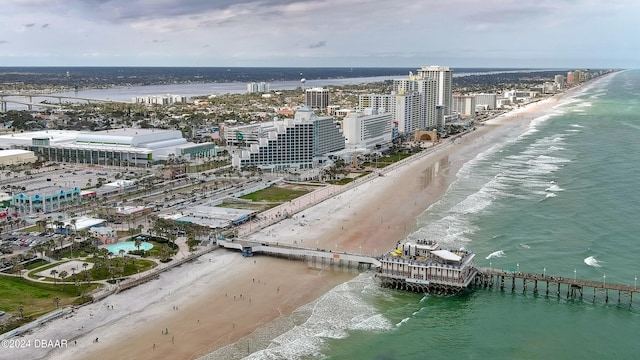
x=303, y=33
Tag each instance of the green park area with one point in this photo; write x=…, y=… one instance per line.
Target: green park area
x=278, y=194
x=26, y=300
x=270, y=197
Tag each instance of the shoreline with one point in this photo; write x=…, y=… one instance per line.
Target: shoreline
x=361, y=220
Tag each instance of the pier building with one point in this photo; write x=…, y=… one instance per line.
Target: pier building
x=425, y=267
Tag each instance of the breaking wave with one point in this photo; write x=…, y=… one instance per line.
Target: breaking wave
x=496, y=254
x=591, y=261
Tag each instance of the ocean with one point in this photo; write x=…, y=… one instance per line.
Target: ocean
x=558, y=197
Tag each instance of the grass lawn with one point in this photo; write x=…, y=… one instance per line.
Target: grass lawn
x=276, y=194
x=156, y=250
x=342, y=181
x=31, y=228
x=37, y=298
x=32, y=274
x=131, y=268
x=36, y=264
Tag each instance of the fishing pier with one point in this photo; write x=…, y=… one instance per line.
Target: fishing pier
x=552, y=285
x=422, y=266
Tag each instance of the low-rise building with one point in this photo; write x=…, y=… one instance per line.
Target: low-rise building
x=45, y=200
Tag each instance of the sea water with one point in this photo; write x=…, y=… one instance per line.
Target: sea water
x=559, y=197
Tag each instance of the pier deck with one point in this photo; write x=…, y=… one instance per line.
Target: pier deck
x=490, y=277
x=314, y=256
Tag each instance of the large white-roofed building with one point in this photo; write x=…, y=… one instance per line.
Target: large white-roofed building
x=213, y=217
x=16, y=157
x=119, y=147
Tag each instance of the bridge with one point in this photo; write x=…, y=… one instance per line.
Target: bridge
x=490, y=277
x=315, y=257
x=30, y=104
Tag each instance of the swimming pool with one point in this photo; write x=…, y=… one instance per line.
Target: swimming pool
x=128, y=246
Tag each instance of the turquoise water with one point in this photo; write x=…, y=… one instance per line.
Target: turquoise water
x=558, y=197
x=128, y=246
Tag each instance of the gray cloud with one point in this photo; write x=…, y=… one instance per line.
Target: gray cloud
x=29, y=25
x=131, y=10
x=510, y=15
x=319, y=44
x=3, y=41
x=45, y=26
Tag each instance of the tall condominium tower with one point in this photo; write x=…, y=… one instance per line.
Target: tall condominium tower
x=381, y=103
x=443, y=77
x=317, y=98
x=427, y=89
x=407, y=112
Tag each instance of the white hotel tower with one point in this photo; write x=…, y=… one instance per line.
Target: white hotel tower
x=444, y=78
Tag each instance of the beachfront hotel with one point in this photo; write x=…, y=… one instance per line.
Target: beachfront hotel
x=367, y=129
x=443, y=77
x=298, y=143
x=118, y=147
x=464, y=105
x=420, y=102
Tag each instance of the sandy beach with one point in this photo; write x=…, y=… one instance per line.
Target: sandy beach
x=223, y=297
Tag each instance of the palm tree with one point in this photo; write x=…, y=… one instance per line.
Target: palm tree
x=84, y=266
x=63, y=274
x=73, y=223
x=42, y=224
x=49, y=221
x=121, y=252
x=138, y=243
x=53, y=273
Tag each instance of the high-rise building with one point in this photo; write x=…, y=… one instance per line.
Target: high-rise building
x=293, y=143
x=464, y=105
x=426, y=88
x=317, y=98
x=407, y=112
x=261, y=87
x=444, y=79
x=486, y=100
x=381, y=103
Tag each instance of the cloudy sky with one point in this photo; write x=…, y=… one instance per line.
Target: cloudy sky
x=353, y=33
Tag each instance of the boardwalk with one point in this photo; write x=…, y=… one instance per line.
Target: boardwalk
x=575, y=288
